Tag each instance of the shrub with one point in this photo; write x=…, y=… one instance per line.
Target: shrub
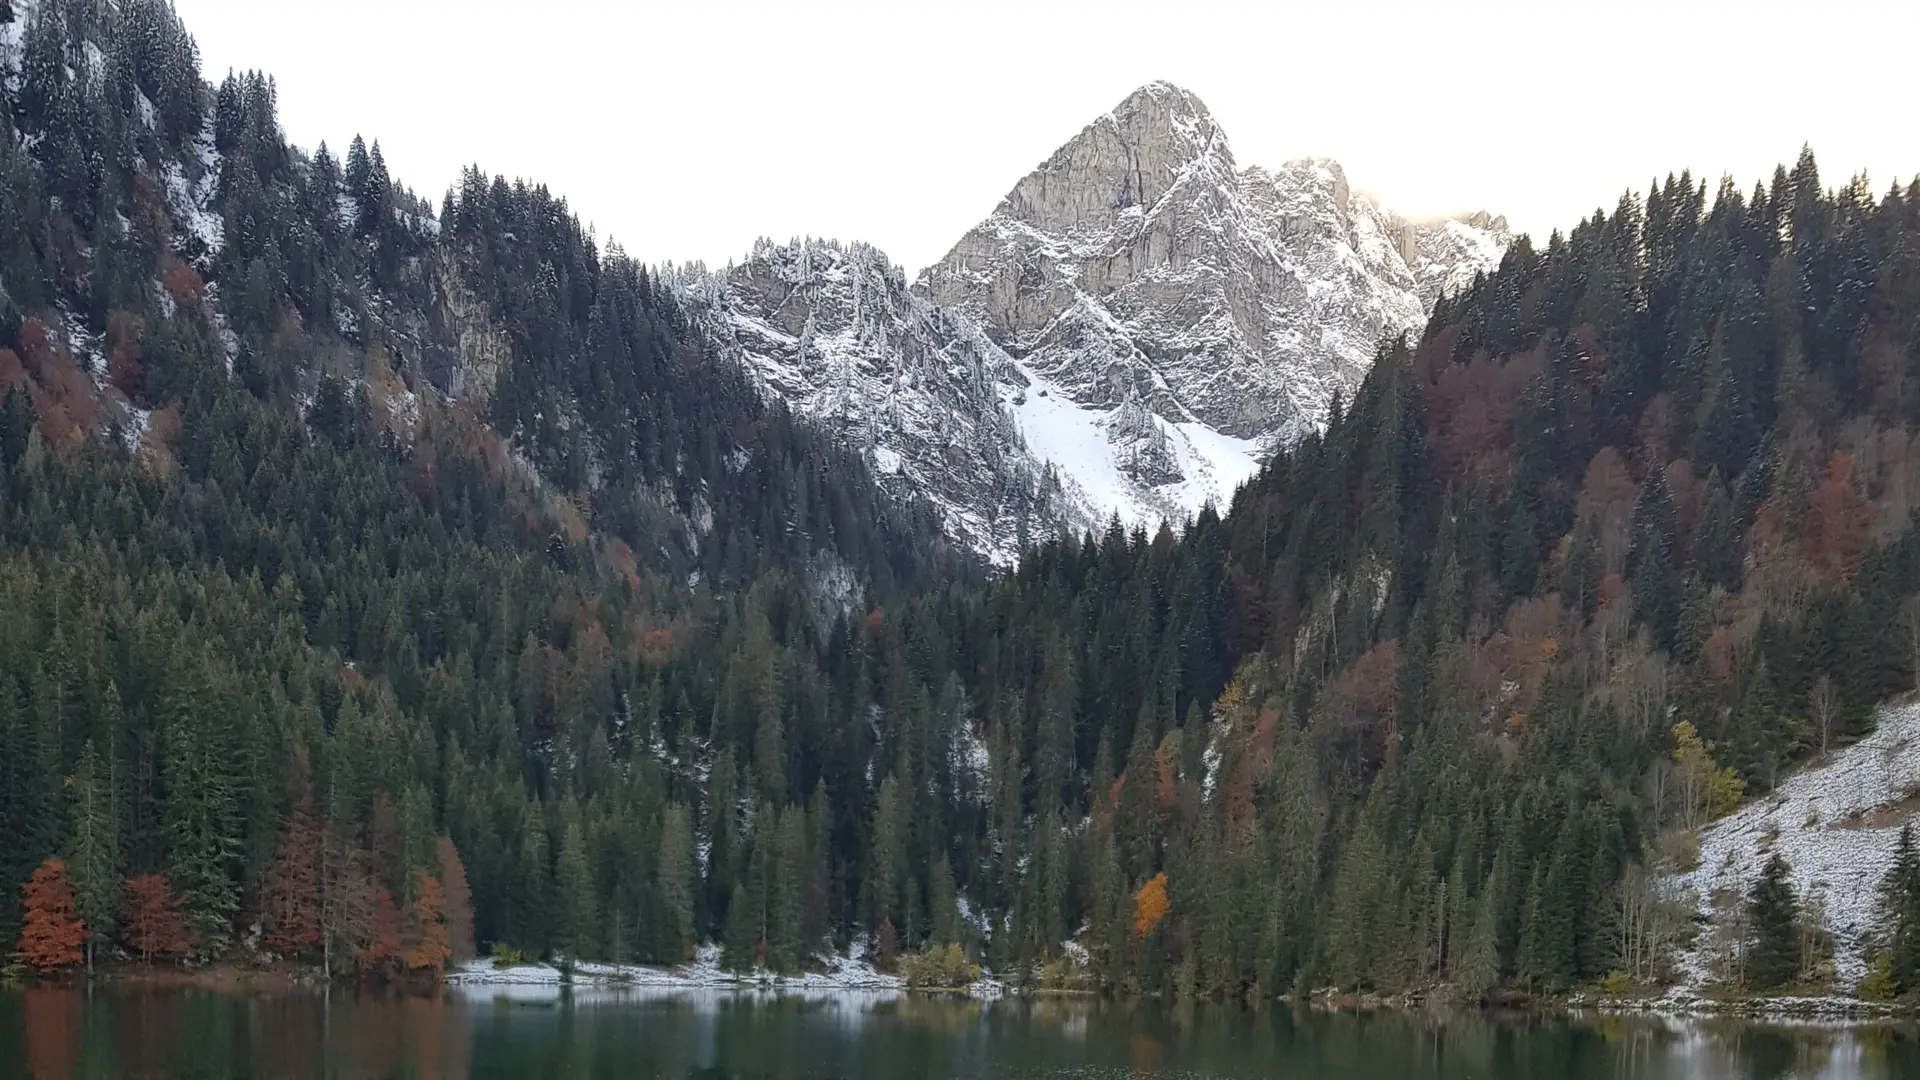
x=1065, y=973
x=506, y=956
x=939, y=968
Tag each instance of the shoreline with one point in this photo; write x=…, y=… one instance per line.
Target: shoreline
x=855, y=976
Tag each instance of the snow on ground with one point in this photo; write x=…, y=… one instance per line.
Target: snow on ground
x=1075, y=440
x=1836, y=825
x=840, y=972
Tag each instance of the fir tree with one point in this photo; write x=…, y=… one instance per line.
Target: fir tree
x=1773, y=942
x=1900, y=900
x=93, y=847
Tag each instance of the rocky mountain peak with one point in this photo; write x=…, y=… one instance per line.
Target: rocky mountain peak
x=1133, y=328
x=1125, y=161
x=1140, y=262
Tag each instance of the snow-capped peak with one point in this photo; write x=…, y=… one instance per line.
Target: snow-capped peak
x=1129, y=332
x=1139, y=259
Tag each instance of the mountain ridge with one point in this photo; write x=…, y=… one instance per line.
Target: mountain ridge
x=1134, y=327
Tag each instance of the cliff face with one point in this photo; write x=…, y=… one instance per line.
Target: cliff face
x=1140, y=262
x=834, y=332
x=1129, y=333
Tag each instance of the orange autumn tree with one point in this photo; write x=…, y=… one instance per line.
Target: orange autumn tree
x=381, y=951
x=291, y=902
x=1837, y=521
x=1150, y=905
x=459, y=899
x=428, y=948
x=53, y=933
x=150, y=920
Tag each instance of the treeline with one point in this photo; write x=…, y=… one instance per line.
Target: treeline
x=295, y=625
x=353, y=548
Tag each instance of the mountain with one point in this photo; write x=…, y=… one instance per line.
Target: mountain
x=509, y=580
x=834, y=332
x=1141, y=269
x=1130, y=333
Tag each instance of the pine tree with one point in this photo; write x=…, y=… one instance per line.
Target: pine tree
x=576, y=932
x=1900, y=899
x=784, y=898
x=886, y=857
x=1478, y=971
x=203, y=842
x=740, y=946
x=1773, y=943
x=675, y=883
x=93, y=847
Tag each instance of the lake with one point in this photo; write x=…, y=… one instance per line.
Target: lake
x=712, y=1035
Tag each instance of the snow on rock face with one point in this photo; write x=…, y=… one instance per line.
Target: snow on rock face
x=1836, y=825
x=1129, y=333
x=834, y=332
x=1140, y=264
x=940, y=411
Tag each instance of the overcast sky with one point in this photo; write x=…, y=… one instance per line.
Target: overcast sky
x=685, y=130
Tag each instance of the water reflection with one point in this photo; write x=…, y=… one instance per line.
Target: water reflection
x=63, y=1032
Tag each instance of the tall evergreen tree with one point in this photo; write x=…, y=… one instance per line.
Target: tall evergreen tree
x=1773, y=914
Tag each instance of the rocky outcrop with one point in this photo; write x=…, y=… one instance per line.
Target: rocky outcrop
x=1129, y=332
x=1140, y=262
x=834, y=331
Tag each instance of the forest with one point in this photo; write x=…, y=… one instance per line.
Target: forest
x=383, y=583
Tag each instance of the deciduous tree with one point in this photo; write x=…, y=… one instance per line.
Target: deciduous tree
x=53, y=933
x=151, y=923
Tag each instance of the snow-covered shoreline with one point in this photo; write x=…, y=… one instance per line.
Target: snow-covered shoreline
x=704, y=972
x=840, y=973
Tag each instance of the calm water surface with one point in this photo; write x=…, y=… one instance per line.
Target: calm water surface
x=57, y=1032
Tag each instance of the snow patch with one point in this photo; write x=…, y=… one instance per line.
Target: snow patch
x=1836, y=825
x=837, y=972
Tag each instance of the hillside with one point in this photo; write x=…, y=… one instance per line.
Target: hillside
x=381, y=580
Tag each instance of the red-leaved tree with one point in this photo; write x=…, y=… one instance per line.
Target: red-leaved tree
x=291, y=897
x=150, y=920
x=459, y=899
x=427, y=948
x=53, y=933
x=380, y=952
x=1837, y=521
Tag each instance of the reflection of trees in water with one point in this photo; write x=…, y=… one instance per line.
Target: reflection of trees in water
x=50, y=1016
x=64, y=1032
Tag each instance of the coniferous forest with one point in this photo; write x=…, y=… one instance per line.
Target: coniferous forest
x=384, y=580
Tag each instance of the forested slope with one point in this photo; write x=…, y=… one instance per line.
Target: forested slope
x=373, y=574
x=333, y=525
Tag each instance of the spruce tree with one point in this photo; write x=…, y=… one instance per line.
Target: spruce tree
x=93, y=847
x=1900, y=899
x=673, y=934
x=1773, y=942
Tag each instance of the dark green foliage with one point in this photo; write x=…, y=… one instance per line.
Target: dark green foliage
x=1773, y=916
x=1901, y=904
x=1391, y=720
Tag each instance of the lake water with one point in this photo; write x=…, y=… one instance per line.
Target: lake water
x=705, y=1035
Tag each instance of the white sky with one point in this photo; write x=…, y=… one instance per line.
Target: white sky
x=686, y=129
